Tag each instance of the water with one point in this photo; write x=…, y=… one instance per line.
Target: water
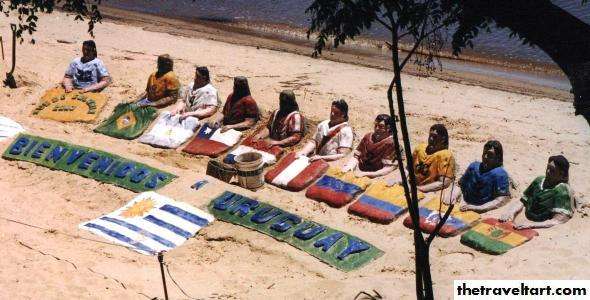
x=496, y=45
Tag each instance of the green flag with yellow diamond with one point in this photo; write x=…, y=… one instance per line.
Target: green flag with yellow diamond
x=128, y=121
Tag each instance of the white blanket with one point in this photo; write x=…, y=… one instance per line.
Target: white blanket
x=169, y=131
x=9, y=128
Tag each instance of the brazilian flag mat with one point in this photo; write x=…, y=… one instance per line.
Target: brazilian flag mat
x=128, y=121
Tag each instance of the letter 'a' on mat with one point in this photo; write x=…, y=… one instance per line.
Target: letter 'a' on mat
x=457, y=222
x=128, y=121
x=170, y=131
x=210, y=141
x=270, y=153
x=295, y=173
x=87, y=162
x=337, y=188
x=493, y=237
x=75, y=106
x=336, y=248
x=381, y=203
x=150, y=223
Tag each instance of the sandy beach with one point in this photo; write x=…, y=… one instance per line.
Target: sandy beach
x=225, y=261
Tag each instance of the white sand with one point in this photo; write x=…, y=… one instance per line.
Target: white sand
x=227, y=261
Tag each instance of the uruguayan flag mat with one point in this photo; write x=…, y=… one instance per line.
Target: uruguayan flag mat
x=150, y=223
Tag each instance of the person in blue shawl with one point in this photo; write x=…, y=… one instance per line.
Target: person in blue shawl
x=485, y=185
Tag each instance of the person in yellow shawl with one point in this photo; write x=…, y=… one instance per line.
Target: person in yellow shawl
x=547, y=201
x=162, y=87
x=434, y=164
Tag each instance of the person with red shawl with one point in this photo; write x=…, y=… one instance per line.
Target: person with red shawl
x=374, y=156
x=286, y=127
x=240, y=111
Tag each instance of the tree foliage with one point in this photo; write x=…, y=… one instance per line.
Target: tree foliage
x=473, y=17
x=27, y=12
x=419, y=23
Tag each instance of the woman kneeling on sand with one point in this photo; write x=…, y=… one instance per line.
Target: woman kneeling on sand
x=200, y=99
x=285, y=128
x=240, y=111
x=485, y=185
x=434, y=164
x=162, y=86
x=86, y=73
x=374, y=156
x=548, y=200
x=333, y=138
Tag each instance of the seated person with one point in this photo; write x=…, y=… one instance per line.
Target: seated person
x=333, y=138
x=374, y=156
x=162, y=86
x=200, y=99
x=485, y=185
x=285, y=128
x=547, y=201
x=433, y=163
x=240, y=111
x=86, y=73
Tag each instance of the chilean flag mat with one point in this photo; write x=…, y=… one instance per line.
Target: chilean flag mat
x=337, y=188
x=457, y=222
x=381, y=203
x=211, y=142
x=295, y=173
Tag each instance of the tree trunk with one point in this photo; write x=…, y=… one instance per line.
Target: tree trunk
x=422, y=265
x=565, y=38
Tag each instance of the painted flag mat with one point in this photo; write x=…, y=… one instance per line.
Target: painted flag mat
x=9, y=128
x=381, y=203
x=87, y=162
x=295, y=173
x=337, y=188
x=457, y=222
x=170, y=131
x=128, y=121
x=493, y=237
x=210, y=141
x=336, y=248
x=150, y=223
x=75, y=106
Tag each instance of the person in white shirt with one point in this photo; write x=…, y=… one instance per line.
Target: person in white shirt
x=86, y=73
x=333, y=138
x=200, y=99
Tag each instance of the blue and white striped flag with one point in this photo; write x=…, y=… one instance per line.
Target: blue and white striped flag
x=150, y=223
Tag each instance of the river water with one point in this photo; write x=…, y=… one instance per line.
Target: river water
x=497, y=44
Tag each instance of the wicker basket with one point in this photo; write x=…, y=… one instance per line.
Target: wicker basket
x=220, y=170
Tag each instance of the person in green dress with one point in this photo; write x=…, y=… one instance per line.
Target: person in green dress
x=548, y=201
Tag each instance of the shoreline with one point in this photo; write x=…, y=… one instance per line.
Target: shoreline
x=510, y=76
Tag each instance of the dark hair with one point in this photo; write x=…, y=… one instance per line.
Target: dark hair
x=562, y=164
x=442, y=131
x=204, y=72
x=241, y=88
x=497, y=146
x=91, y=45
x=289, y=103
x=342, y=106
x=387, y=119
x=167, y=62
